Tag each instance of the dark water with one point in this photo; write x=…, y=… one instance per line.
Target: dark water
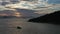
x=8, y=26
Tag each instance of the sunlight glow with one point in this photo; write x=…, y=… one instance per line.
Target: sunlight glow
x=3, y=15
x=17, y=14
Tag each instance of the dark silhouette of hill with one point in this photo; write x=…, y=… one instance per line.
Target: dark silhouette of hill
x=53, y=18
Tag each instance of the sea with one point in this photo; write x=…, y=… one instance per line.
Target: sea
x=9, y=25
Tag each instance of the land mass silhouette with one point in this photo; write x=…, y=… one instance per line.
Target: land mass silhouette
x=53, y=18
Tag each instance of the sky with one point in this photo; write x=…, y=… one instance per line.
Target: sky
x=54, y=1
x=49, y=1
x=3, y=2
x=28, y=12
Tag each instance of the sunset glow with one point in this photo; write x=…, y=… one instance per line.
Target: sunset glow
x=17, y=14
x=3, y=15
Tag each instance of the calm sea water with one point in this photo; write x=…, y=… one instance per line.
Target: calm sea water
x=8, y=26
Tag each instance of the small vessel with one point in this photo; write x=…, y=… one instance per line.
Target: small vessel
x=19, y=27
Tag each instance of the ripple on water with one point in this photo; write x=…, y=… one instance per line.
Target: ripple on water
x=9, y=27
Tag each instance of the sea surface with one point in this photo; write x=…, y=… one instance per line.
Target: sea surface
x=9, y=26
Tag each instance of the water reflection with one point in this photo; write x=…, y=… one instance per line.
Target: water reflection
x=8, y=26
